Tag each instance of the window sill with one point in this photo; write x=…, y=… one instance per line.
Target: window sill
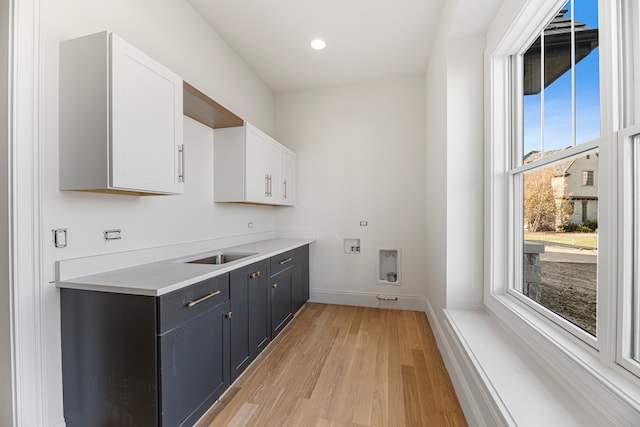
x=532, y=375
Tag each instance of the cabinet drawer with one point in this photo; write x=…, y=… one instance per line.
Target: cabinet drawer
x=281, y=262
x=176, y=307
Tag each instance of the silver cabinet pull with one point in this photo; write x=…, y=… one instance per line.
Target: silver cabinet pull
x=274, y=286
x=284, y=261
x=181, y=171
x=285, y=189
x=266, y=185
x=204, y=298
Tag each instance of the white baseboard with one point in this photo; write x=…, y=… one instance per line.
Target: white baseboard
x=365, y=299
x=475, y=404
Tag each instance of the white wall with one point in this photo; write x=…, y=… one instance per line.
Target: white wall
x=360, y=156
x=6, y=401
x=436, y=167
x=454, y=163
x=172, y=33
x=465, y=160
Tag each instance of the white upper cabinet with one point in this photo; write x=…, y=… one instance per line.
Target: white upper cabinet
x=121, y=119
x=248, y=168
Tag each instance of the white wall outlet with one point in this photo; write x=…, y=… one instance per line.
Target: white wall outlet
x=60, y=237
x=112, y=235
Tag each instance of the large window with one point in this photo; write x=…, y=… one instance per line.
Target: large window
x=554, y=168
x=563, y=192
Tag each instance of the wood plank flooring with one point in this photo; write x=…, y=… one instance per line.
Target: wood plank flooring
x=344, y=366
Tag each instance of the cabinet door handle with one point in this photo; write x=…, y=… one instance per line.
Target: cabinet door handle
x=285, y=189
x=204, y=298
x=275, y=285
x=266, y=185
x=270, y=186
x=254, y=275
x=229, y=314
x=284, y=261
x=181, y=171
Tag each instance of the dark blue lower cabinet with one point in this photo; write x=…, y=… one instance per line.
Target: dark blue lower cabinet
x=301, y=277
x=194, y=366
x=138, y=361
x=250, y=307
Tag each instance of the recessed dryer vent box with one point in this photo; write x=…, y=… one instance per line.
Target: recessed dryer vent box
x=388, y=272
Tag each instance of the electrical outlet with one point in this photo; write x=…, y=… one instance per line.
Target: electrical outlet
x=60, y=237
x=112, y=235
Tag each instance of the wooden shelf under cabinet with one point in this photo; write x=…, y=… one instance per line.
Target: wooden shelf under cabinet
x=205, y=110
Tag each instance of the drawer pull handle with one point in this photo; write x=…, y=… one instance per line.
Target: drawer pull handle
x=275, y=285
x=284, y=261
x=229, y=314
x=254, y=275
x=204, y=298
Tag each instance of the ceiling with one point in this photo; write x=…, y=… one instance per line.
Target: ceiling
x=367, y=40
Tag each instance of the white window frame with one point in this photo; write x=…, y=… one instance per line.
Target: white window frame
x=593, y=371
x=515, y=169
x=628, y=350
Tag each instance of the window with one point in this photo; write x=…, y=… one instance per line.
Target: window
x=563, y=170
x=557, y=85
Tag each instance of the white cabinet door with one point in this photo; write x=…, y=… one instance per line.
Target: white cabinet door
x=288, y=178
x=120, y=119
x=262, y=167
x=146, y=120
x=248, y=167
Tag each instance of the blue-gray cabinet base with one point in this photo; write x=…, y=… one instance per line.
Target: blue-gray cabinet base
x=132, y=360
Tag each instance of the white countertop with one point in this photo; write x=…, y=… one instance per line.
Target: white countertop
x=161, y=277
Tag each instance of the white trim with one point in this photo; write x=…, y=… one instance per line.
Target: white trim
x=480, y=406
x=367, y=299
x=628, y=243
x=606, y=390
x=25, y=217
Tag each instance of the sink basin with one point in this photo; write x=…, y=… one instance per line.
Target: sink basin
x=221, y=258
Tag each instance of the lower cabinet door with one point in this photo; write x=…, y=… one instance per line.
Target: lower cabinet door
x=250, y=327
x=281, y=301
x=194, y=366
x=301, y=278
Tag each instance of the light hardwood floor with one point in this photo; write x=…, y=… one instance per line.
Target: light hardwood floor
x=344, y=366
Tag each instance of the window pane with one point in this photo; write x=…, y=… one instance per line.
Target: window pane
x=558, y=113
x=532, y=99
x=560, y=247
x=561, y=82
x=587, y=71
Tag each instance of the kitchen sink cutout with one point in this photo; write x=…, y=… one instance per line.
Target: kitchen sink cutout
x=221, y=258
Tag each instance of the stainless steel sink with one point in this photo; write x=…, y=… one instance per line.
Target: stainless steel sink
x=221, y=258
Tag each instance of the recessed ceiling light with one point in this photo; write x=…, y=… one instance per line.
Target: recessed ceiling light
x=318, y=44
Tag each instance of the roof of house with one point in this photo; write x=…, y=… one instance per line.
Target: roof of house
x=559, y=169
x=557, y=53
